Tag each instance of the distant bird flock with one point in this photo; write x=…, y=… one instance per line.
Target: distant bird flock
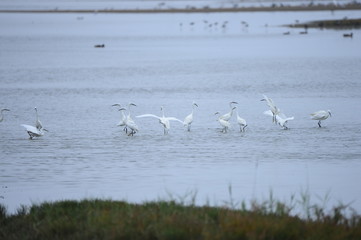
x=130, y=127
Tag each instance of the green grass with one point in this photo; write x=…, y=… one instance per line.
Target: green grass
x=106, y=219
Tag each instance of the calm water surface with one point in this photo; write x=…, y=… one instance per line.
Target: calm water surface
x=48, y=61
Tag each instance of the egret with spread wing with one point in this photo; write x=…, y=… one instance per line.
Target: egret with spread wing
x=274, y=109
x=36, y=131
x=162, y=120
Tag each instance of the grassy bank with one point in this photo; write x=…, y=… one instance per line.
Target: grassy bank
x=331, y=24
x=105, y=219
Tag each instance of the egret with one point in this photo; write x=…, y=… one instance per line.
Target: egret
x=274, y=109
x=281, y=119
x=228, y=116
x=224, y=123
x=241, y=122
x=162, y=120
x=36, y=131
x=1, y=114
x=320, y=115
x=189, y=119
x=123, y=119
x=129, y=123
x=33, y=131
x=38, y=124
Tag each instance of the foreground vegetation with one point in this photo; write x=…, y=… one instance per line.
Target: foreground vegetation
x=331, y=24
x=106, y=219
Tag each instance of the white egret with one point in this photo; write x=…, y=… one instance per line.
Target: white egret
x=274, y=109
x=162, y=120
x=228, y=116
x=33, y=131
x=36, y=131
x=320, y=115
x=189, y=119
x=224, y=123
x=241, y=122
x=38, y=124
x=129, y=118
x=1, y=114
x=129, y=123
x=123, y=119
x=281, y=119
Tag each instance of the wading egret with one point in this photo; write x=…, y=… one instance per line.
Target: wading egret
x=320, y=115
x=224, y=123
x=189, y=119
x=1, y=114
x=162, y=120
x=33, y=131
x=241, y=122
x=36, y=131
x=282, y=120
x=274, y=109
x=123, y=119
x=228, y=116
x=129, y=123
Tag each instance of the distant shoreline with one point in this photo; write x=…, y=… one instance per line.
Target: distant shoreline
x=274, y=8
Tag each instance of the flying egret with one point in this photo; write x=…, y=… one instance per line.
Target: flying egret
x=189, y=119
x=162, y=120
x=228, y=116
x=320, y=115
x=129, y=123
x=224, y=123
x=241, y=122
x=1, y=114
x=274, y=109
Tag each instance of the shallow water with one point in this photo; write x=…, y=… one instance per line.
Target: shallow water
x=48, y=61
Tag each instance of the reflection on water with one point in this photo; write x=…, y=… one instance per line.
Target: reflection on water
x=48, y=61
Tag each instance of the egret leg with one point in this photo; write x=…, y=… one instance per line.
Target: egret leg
x=189, y=128
x=125, y=129
x=244, y=127
x=319, y=123
x=30, y=135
